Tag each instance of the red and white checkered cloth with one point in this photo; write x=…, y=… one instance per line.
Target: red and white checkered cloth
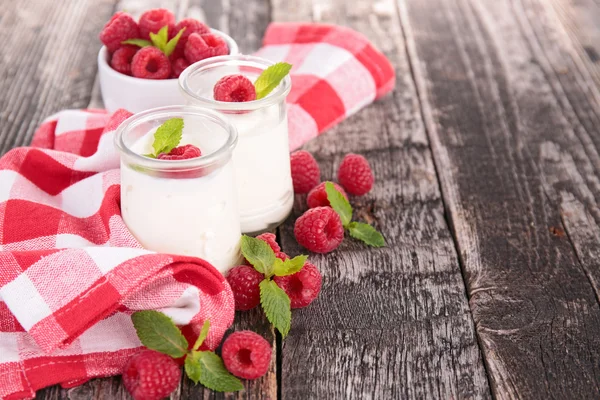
x=70, y=271
x=336, y=72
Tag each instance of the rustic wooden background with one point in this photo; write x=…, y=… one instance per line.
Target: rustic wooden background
x=488, y=179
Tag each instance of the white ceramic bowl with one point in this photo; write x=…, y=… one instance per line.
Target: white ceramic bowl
x=136, y=94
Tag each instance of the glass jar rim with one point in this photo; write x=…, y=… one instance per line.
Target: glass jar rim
x=279, y=93
x=192, y=163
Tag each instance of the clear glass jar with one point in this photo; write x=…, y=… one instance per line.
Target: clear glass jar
x=187, y=207
x=262, y=156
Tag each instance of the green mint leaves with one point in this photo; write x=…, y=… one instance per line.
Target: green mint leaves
x=274, y=301
x=167, y=136
x=208, y=369
x=339, y=203
x=259, y=254
x=157, y=332
x=138, y=42
x=270, y=78
x=366, y=233
x=357, y=230
x=159, y=40
x=276, y=304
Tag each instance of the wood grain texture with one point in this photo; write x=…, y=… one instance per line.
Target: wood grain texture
x=391, y=322
x=581, y=19
x=48, y=64
x=510, y=114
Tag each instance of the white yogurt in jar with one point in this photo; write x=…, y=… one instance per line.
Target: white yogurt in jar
x=196, y=216
x=262, y=168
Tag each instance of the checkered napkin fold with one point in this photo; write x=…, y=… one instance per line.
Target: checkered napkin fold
x=71, y=274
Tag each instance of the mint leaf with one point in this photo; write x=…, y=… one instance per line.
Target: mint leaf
x=270, y=78
x=366, y=233
x=137, y=42
x=192, y=366
x=171, y=44
x=149, y=155
x=289, y=266
x=159, y=40
x=339, y=203
x=214, y=375
x=276, y=304
x=168, y=136
x=259, y=254
x=203, y=335
x=158, y=332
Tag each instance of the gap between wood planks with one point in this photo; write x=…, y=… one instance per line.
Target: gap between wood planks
x=427, y=119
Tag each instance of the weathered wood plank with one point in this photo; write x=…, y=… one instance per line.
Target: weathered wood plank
x=511, y=115
x=581, y=19
x=49, y=65
x=391, y=322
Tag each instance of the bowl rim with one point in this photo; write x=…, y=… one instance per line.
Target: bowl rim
x=103, y=62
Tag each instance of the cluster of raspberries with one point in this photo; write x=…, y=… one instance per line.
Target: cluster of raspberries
x=320, y=228
x=196, y=43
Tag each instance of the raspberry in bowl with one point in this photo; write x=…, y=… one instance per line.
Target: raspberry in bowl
x=179, y=197
x=262, y=157
x=137, y=68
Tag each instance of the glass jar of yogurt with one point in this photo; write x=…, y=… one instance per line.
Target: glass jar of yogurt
x=186, y=207
x=262, y=156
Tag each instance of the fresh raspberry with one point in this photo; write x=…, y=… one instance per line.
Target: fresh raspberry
x=302, y=287
x=355, y=174
x=198, y=47
x=181, y=153
x=121, y=59
x=150, y=63
x=271, y=240
x=306, y=173
x=282, y=256
x=178, y=66
x=191, y=25
x=153, y=20
x=150, y=375
x=319, y=229
x=244, y=281
x=120, y=27
x=246, y=354
x=317, y=197
x=234, y=88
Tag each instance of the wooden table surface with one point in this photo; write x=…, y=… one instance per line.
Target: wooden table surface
x=487, y=159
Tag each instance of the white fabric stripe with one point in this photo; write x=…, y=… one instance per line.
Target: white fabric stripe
x=111, y=334
x=71, y=120
x=107, y=258
x=323, y=59
x=9, y=347
x=69, y=201
x=184, y=308
x=24, y=301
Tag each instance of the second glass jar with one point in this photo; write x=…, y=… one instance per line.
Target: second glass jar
x=261, y=158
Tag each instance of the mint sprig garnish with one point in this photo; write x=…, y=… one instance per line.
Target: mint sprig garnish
x=357, y=230
x=270, y=78
x=167, y=137
x=137, y=42
x=273, y=300
x=160, y=40
x=276, y=305
x=156, y=331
